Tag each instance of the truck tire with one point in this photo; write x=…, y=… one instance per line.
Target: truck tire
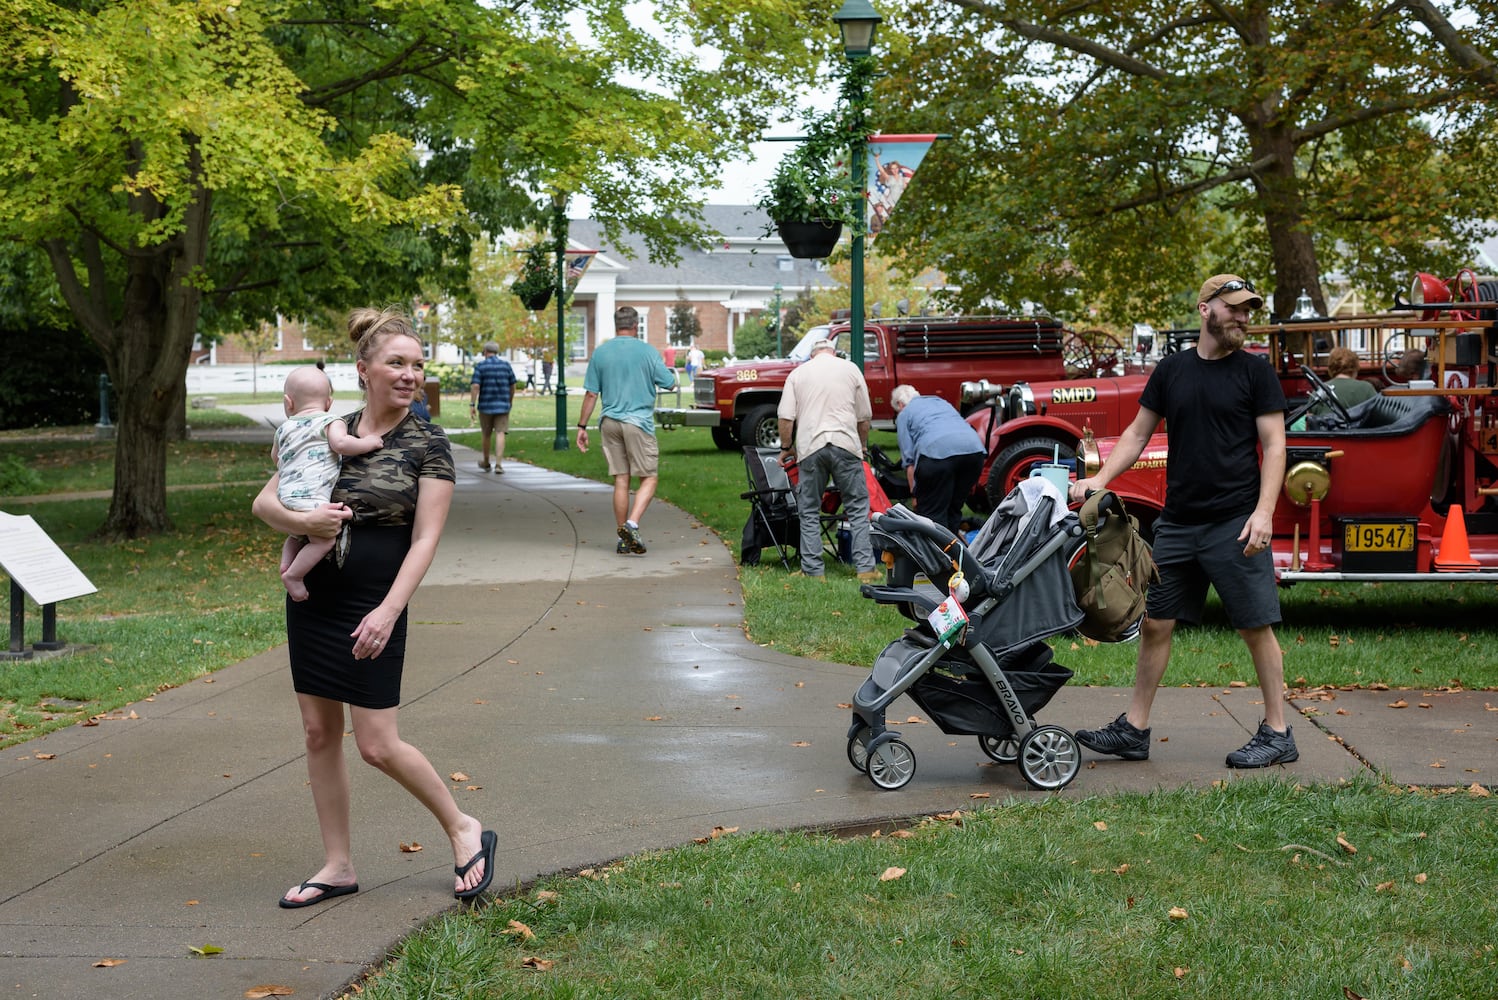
x=760, y=428
x=725, y=438
x=1015, y=461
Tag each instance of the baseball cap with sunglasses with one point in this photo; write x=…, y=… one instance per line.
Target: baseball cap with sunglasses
x=1233, y=290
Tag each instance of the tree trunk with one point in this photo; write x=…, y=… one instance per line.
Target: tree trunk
x=146, y=346
x=1291, y=249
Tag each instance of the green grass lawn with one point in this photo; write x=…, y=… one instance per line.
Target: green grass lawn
x=1243, y=891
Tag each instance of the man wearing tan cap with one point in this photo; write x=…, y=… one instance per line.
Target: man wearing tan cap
x=1220, y=406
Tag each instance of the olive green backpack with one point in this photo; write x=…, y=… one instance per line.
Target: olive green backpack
x=1111, y=577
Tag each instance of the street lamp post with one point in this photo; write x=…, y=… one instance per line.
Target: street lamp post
x=779, y=334
x=559, y=233
x=857, y=21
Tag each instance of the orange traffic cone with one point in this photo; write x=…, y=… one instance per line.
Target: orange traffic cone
x=1454, y=554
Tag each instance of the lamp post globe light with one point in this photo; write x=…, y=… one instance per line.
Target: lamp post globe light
x=857, y=21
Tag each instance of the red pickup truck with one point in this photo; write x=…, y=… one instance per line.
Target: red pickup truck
x=950, y=357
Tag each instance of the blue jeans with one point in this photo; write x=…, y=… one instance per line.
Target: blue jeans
x=845, y=469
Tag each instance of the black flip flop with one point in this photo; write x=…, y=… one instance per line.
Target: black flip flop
x=488, y=840
x=328, y=892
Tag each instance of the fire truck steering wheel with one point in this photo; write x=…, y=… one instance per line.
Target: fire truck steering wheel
x=1321, y=392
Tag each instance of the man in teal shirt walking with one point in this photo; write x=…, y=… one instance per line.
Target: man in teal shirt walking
x=625, y=373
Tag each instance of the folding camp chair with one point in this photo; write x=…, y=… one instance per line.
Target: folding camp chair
x=773, y=519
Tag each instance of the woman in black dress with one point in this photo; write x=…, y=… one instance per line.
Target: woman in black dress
x=347, y=641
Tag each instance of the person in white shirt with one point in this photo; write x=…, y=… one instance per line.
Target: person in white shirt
x=826, y=403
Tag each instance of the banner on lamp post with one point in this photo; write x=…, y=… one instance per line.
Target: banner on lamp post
x=577, y=262
x=893, y=160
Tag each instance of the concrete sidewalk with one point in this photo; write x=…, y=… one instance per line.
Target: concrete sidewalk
x=598, y=705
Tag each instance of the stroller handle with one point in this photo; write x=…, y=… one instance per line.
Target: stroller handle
x=899, y=520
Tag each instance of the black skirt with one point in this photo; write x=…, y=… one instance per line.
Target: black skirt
x=319, y=630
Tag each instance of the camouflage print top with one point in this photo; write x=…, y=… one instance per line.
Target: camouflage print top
x=381, y=486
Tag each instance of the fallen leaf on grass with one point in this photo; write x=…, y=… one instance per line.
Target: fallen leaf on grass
x=901, y=834
x=518, y=930
x=1100, y=825
x=1178, y=913
x=1383, y=887
x=1477, y=791
x=1181, y=971
x=1421, y=878
x=891, y=873
x=1351, y=995
x=537, y=964
x=1342, y=843
x=268, y=990
x=546, y=896
x=109, y=963
x=1121, y=869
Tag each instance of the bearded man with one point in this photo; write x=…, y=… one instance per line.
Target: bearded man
x=1221, y=407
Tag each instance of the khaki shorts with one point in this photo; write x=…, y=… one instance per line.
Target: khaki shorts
x=491, y=422
x=630, y=451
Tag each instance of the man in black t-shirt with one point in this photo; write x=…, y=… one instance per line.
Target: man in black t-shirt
x=1221, y=408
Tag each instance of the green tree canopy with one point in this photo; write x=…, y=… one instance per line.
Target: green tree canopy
x=192, y=166
x=1116, y=154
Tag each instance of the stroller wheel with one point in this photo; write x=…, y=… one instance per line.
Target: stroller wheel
x=1004, y=749
x=891, y=765
x=858, y=749
x=1049, y=757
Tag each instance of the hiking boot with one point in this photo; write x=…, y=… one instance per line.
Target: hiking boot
x=630, y=536
x=1119, y=737
x=1266, y=748
x=622, y=548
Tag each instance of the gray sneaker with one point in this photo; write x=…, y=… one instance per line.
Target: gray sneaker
x=1119, y=737
x=631, y=539
x=1266, y=748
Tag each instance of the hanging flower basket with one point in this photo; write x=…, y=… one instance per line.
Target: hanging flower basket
x=535, y=301
x=810, y=240
x=537, y=278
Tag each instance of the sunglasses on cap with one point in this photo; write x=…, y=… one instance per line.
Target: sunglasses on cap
x=1236, y=285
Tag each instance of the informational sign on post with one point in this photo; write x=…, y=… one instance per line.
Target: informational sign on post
x=34, y=561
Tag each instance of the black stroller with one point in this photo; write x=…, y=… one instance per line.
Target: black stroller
x=988, y=674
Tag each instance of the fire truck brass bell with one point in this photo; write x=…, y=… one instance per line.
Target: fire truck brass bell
x=1307, y=481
